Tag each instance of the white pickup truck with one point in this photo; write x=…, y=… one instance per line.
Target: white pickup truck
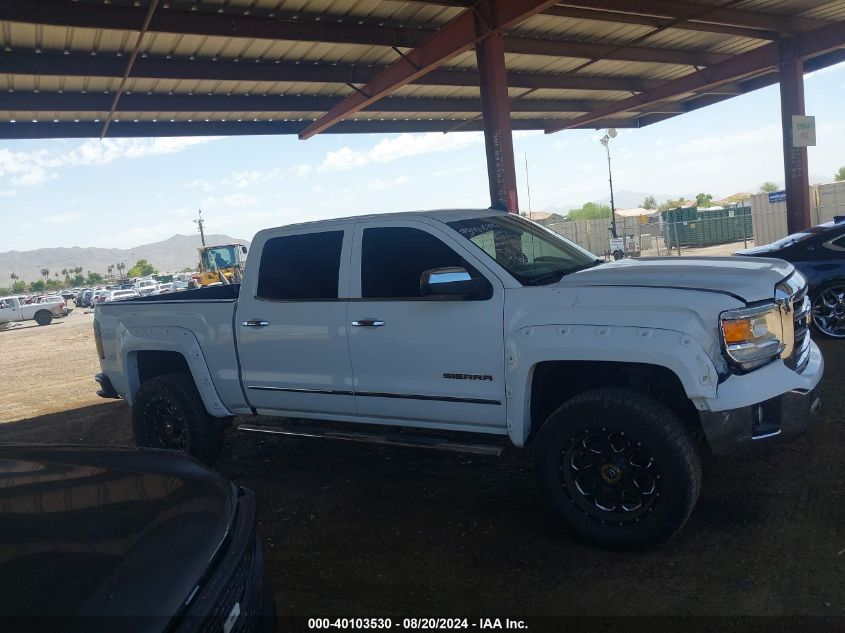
x=13, y=310
x=619, y=375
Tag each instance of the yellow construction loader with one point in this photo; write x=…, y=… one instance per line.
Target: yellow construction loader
x=223, y=264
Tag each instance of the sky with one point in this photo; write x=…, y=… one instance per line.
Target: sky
x=126, y=192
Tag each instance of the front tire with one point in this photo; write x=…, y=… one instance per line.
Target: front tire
x=43, y=318
x=618, y=468
x=169, y=413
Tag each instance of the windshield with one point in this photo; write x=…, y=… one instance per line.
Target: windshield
x=219, y=257
x=532, y=254
x=789, y=240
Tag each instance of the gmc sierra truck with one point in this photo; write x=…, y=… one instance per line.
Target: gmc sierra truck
x=619, y=375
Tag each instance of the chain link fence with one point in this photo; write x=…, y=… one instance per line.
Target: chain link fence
x=678, y=232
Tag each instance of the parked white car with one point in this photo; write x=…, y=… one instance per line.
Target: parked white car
x=619, y=374
x=119, y=295
x=146, y=286
x=12, y=310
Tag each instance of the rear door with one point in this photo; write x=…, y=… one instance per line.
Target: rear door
x=291, y=322
x=439, y=361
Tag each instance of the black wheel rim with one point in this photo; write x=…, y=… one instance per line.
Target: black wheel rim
x=168, y=425
x=610, y=476
x=829, y=311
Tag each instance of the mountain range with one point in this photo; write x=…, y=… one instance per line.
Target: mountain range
x=170, y=255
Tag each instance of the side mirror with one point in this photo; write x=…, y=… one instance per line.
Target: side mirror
x=243, y=250
x=453, y=282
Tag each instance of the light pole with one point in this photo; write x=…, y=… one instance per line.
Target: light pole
x=605, y=140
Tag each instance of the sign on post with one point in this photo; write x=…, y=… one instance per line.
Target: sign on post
x=777, y=196
x=803, y=131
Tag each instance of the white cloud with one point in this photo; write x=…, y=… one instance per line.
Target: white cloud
x=237, y=199
x=380, y=185
x=202, y=185
x=300, y=171
x=61, y=218
x=239, y=179
x=710, y=146
x=399, y=146
x=8, y=193
x=35, y=167
x=246, y=178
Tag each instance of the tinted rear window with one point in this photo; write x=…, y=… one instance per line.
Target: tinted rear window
x=300, y=267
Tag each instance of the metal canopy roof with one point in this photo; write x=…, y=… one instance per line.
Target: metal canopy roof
x=275, y=67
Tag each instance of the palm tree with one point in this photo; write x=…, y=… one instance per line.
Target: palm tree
x=45, y=272
x=14, y=277
x=64, y=273
x=110, y=269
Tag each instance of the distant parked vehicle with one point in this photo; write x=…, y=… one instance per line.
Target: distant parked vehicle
x=165, y=288
x=178, y=286
x=146, y=286
x=51, y=299
x=99, y=297
x=12, y=309
x=119, y=295
x=819, y=253
x=85, y=298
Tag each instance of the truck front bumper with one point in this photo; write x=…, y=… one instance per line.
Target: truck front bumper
x=786, y=415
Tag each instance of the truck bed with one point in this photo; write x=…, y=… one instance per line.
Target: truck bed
x=167, y=322
x=216, y=293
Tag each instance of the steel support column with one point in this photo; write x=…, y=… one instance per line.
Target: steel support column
x=498, y=138
x=794, y=158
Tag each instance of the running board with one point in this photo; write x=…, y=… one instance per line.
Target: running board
x=410, y=441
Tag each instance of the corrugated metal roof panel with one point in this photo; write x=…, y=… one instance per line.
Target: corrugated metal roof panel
x=391, y=13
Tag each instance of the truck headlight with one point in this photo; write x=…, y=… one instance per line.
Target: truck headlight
x=752, y=336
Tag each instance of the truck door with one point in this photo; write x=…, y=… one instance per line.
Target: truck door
x=9, y=310
x=419, y=357
x=291, y=322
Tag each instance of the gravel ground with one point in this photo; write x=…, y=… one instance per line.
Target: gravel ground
x=358, y=530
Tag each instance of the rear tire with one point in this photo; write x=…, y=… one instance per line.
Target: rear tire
x=43, y=318
x=618, y=468
x=169, y=413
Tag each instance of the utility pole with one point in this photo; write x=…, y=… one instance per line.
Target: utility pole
x=198, y=222
x=605, y=140
x=527, y=181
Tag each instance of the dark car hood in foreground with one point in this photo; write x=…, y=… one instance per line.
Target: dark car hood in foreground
x=105, y=532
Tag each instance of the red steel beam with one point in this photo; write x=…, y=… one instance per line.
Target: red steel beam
x=57, y=63
x=794, y=158
x=309, y=28
x=600, y=15
x=812, y=43
x=729, y=16
x=688, y=16
x=456, y=37
x=498, y=137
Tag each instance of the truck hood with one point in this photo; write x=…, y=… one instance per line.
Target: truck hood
x=749, y=278
x=89, y=531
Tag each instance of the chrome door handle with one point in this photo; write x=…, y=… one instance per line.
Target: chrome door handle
x=368, y=323
x=255, y=323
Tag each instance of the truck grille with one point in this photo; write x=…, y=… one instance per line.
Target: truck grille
x=799, y=304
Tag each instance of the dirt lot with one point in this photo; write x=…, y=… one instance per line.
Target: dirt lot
x=373, y=531
x=48, y=369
